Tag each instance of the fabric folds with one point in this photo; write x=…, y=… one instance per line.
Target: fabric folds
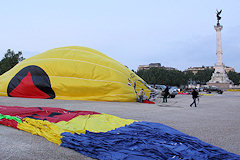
x=143, y=140
x=104, y=136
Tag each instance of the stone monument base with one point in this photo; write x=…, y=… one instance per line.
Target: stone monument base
x=223, y=86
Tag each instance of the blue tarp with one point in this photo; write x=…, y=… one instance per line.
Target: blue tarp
x=143, y=140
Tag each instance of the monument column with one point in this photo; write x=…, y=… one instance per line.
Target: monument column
x=219, y=44
x=219, y=77
x=219, y=66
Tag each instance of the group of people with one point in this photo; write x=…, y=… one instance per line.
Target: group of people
x=166, y=93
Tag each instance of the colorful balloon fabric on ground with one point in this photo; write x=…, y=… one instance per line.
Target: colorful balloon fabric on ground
x=72, y=73
x=104, y=136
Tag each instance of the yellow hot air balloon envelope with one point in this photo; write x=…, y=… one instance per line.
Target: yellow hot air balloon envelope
x=72, y=73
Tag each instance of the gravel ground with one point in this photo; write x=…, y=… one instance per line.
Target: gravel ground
x=216, y=120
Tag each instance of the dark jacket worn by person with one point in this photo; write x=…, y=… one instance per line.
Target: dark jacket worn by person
x=166, y=92
x=194, y=94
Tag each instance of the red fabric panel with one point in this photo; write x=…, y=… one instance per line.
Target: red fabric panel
x=149, y=102
x=43, y=113
x=8, y=122
x=184, y=93
x=27, y=89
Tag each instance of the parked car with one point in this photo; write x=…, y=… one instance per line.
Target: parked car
x=210, y=89
x=173, y=92
x=159, y=87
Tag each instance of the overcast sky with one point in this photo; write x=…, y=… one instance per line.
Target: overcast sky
x=175, y=33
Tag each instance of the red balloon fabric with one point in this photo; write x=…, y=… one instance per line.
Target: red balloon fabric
x=43, y=113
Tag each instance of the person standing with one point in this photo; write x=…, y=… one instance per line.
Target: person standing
x=141, y=93
x=194, y=96
x=165, y=95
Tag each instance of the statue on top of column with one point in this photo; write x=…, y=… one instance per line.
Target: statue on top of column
x=218, y=17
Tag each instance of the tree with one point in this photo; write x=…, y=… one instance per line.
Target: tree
x=188, y=76
x=234, y=77
x=9, y=60
x=162, y=76
x=203, y=76
x=174, y=77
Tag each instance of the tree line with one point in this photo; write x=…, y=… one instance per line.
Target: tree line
x=179, y=78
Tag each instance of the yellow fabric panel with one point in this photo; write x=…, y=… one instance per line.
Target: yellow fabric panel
x=42, y=128
x=3, y=86
x=81, y=55
x=206, y=94
x=90, y=90
x=233, y=90
x=80, y=73
x=87, y=54
x=94, y=123
x=76, y=68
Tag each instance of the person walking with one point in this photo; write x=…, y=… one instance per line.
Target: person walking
x=141, y=93
x=165, y=95
x=194, y=96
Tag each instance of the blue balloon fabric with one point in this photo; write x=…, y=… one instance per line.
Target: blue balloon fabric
x=143, y=140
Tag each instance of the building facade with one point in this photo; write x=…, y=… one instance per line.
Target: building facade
x=195, y=70
x=154, y=65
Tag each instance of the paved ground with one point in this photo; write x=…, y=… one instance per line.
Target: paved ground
x=216, y=121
